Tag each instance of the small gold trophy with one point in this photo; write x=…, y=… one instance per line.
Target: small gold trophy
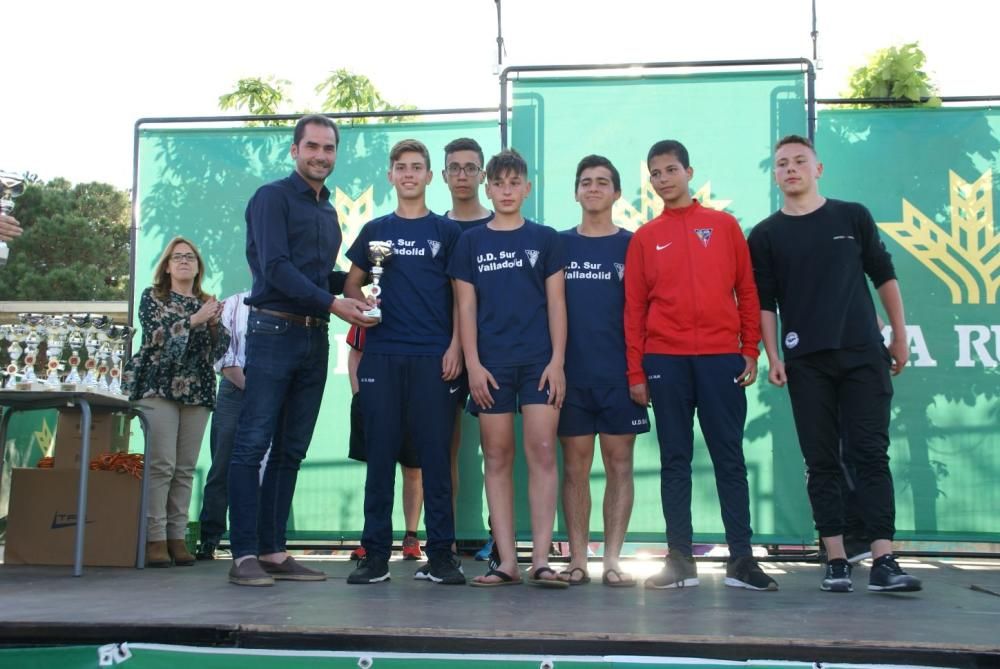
x=378, y=253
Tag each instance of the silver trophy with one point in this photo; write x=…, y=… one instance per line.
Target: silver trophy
x=15, y=334
x=378, y=253
x=58, y=330
x=36, y=335
x=95, y=334
x=75, y=339
x=11, y=186
x=118, y=336
x=104, y=363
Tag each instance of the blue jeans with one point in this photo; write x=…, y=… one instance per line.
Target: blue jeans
x=679, y=385
x=215, y=500
x=286, y=367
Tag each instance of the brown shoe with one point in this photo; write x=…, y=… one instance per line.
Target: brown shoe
x=249, y=572
x=291, y=570
x=179, y=552
x=156, y=554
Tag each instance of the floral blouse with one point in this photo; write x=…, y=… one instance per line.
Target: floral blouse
x=175, y=361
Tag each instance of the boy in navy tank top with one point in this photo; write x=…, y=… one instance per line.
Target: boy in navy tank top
x=512, y=316
x=411, y=361
x=597, y=396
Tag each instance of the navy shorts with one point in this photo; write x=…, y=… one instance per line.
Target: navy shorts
x=518, y=386
x=607, y=410
x=460, y=388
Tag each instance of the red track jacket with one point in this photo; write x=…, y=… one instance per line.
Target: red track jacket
x=689, y=288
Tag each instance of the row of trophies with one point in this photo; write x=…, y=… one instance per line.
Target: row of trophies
x=105, y=346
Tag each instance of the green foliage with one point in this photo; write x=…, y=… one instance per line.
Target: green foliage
x=75, y=244
x=342, y=91
x=256, y=96
x=894, y=72
x=345, y=91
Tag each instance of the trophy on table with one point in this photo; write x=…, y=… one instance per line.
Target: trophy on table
x=36, y=334
x=94, y=335
x=11, y=186
x=118, y=335
x=75, y=339
x=18, y=333
x=15, y=334
x=378, y=253
x=58, y=330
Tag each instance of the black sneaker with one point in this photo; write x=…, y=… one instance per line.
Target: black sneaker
x=206, y=550
x=369, y=570
x=744, y=572
x=423, y=572
x=887, y=576
x=857, y=549
x=446, y=570
x=837, y=577
x=679, y=571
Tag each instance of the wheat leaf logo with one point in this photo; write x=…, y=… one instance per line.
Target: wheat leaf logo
x=966, y=257
x=353, y=214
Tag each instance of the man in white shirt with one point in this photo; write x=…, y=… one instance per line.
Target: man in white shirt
x=215, y=500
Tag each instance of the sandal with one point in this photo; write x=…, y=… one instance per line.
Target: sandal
x=555, y=583
x=571, y=573
x=505, y=579
x=620, y=579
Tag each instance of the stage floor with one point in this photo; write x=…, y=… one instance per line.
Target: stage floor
x=949, y=623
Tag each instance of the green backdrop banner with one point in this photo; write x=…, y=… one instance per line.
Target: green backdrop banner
x=929, y=178
x=926, y=175
x=196, y=183
x=728, y=122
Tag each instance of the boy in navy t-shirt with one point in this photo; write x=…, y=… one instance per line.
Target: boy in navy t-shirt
x=512, y=315
x=407, y=374
x=463, y=173
x=597, y=395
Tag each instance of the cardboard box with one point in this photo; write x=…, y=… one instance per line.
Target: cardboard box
x=109, y=433
x=41, y=523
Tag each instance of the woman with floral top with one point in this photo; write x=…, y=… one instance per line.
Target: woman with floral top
x=173, y=381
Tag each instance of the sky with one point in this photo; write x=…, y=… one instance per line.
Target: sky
x=77, y=76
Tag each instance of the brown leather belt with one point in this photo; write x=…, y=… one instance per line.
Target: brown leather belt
x=304, y=321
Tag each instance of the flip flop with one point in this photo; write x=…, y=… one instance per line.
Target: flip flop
x=505, y=579
x=554, y=583
x=570, y=573
x=621, y=581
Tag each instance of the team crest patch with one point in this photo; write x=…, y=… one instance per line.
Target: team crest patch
x=435, y=247
x=704, y=234
x=532, y=256
x=620, y=268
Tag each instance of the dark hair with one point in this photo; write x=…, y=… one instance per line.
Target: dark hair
x=795, y=139
x=671, y=146
x=316, y=119
x=506, y=161
x=598, y=161
x=404, y=145
x=464, y=144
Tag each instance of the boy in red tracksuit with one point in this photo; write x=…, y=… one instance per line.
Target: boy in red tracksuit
x=692, y=327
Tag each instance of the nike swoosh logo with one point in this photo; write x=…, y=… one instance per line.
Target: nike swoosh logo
x=660, y=248
x=452, y=391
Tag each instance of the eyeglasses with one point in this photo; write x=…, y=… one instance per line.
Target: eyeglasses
x=186, y=257
x=470, y=169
